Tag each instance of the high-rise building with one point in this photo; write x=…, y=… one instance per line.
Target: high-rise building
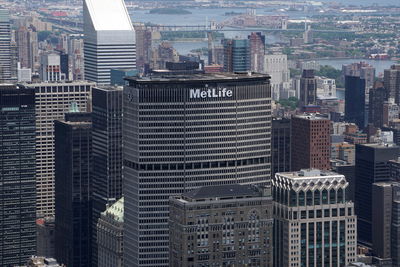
x=310, y=142
x=395, y=169
x=17, y=175
x=143, y=45
x=280, y=143
x=372, y=166
x=277, y=67
x=363, y=70
x=355, y=100
x=109, y=41
x=326, y=88
x=257, y=50
x=107, y=153
x=195, y=130
x=236, y=55
x=227, y=225
x=45, y=237
x=110, y=232
x=314, y=223
x=50, y=68
x=377, y=97
x=27, y=44
x=382, y=199
x=5, y=47
x=308, y=88
x=52, y=101
x=391, y=78
x=73, y=161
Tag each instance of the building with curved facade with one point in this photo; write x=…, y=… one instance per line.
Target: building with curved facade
x=185, y=132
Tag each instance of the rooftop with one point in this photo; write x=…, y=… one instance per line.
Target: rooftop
x=222, y=191
x=116, y=210
x=308, y=173
x=311, y=116
x=109, y=15
x=198, y=77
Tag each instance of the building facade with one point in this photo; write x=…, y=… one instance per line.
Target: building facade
x=257, y=50
x=17, y=175
x=310, y=142
x=110, y=232
x=372, y=166
x=354, y=110
x=108, y=43
x=5, y=47
x=52, y=101
x=280, y=142
x=228, y=225
x=391, y=78
x=314, y=226
x=236, y=55
x=308, y=88
x=195, y=130
x=107, y=153
x=73, y=162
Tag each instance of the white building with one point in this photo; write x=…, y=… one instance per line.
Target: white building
x=52, y=101
x=326, y=87
x=50, y=68
x=277, y=67
x=109, y=41
x=24, y=74
x=314, y=223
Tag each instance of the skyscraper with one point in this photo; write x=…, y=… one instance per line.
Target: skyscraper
x=277, y=66
x=17, y=175
x=354, y=110
x=314, y=223
x=310, y=142
x=52, y=101
x=372, y=166
x=257, y=50
x=73, y=154
x=280, y=143
x=5, y=46
x=391, y=78
x=236, y=55
x=308, y=88
x=50, y=68
x=195, y=130
x=377, y=97
x=107, y=152
x=227, y=225
x=109, y=39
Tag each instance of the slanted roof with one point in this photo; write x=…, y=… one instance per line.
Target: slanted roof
x=222, y=191
x=109, y=15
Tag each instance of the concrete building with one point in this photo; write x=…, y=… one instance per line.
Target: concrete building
x=391, y=78
x=5, y=47
x=280, y=141
x=363, y=70
x=310, y=142
x=50, y=68
x=143, y=46
x=236, y=55
x=372, y=166
x=355, y=100
x=277, y=67
x=73, y=162
x=326, y=87
x=52, y=101
x=391, y=112
x=108, y=43
x=107, y=153
x=17, y=175
x=27, y=43
x=308, y=88
x=315, y=226
x=110, y=232
x=42, y=262
x=215, y=131
x=228, y=225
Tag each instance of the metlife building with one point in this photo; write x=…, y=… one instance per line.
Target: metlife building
x=184, y=132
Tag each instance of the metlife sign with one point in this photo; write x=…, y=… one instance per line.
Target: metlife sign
x=218, y=92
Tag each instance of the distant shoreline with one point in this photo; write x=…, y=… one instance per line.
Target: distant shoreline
x=170, y=11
